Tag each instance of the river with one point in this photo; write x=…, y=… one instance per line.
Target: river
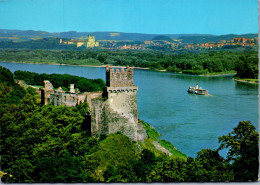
x=190, y=122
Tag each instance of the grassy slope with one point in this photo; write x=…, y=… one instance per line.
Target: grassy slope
x=153, y=136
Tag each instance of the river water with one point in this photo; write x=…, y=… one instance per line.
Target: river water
x=190, y=122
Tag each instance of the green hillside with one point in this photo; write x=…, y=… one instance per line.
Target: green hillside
x=23, y=35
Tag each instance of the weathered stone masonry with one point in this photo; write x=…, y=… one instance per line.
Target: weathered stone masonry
x=60, y=97
x=113, y=110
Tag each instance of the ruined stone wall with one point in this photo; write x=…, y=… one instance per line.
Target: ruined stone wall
x=46, y=93
x=60, y=97
x=99, y=122
x=92, y=95
x=63, y=98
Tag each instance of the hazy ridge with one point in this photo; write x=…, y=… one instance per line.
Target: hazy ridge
x=24, y=35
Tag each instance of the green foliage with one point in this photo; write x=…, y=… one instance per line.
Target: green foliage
x=168, y=171
x=247, y=66
x=38, y=140
x=10, y=92
x=45, y=43
x=60, y=168
x=151, y=132
x=243, y=151
x=213, y=166
x=214, y=61
x=43, y=144
x=175, y=153
x=195, y=72
x=206, y=167
x=61, y=80
x=173, y=69
x=249, y=80
x=115, y=151
x=145, y=165
x=6, y=76
x=149, y=145
x=137, y=171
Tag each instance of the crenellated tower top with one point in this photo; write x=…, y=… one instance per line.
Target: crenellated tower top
x=122, y=78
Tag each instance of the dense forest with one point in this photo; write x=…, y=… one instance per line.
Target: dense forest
x=49, y=144
x=45, y=43
x=245, y=64
x=61, y=80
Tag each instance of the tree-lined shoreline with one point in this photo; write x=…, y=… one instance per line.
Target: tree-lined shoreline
x=242, y=64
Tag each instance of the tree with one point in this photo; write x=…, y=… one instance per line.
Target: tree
x=243, y=151
x=115, y=152
x=171, y=170
x=62, y=168
x=247, y=66
x=60, y=80
x=213, y=166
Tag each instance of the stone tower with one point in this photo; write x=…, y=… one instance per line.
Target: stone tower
x=119, y=111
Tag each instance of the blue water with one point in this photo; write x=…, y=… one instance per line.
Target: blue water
x=190, y=122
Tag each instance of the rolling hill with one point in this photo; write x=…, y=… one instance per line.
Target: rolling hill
x=25, y=35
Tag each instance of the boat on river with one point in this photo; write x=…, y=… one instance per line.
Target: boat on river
x=197, y=90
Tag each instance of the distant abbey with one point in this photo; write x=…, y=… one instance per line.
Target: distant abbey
x=89, y=43
x=114, y=109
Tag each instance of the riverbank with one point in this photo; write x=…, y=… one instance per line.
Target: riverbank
x=155, y=143
x=110, y=65
x=199, y=73
x=219, y=74
x=251, y=81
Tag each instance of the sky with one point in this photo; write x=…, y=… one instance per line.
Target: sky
x=216, y=17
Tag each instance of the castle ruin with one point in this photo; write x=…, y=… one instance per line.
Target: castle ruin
x=110, y=111
x=59, y=97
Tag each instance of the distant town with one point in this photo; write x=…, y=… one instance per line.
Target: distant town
x=161, y=43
